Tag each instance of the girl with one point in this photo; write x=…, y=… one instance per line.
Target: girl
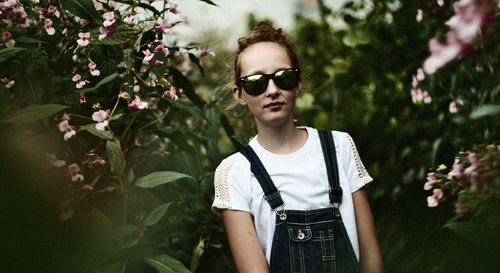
x=293, y=200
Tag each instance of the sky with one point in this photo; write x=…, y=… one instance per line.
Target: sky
x=230, y=15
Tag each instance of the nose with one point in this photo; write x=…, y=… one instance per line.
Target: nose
x=272, y=89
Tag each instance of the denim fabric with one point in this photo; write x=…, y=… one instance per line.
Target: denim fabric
x=312, y=241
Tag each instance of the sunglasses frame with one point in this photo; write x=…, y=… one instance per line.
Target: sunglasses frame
x=241, y=81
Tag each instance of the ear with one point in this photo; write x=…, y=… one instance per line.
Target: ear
x=238, y=95
x=299, y=88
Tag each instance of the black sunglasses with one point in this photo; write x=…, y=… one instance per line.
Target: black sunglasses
x=256, y=84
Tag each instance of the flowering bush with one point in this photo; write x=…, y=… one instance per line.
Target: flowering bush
x=472, y=181
x=107, y=86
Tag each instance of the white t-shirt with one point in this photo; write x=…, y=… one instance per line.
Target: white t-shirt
x=301, y=178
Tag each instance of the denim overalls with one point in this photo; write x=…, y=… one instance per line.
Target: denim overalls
x=308, y=241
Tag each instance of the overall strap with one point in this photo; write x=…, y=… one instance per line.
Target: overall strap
x=271, y=194
x=332, y=169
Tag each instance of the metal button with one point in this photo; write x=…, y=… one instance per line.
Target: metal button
x=283, y=217
x=301, y=235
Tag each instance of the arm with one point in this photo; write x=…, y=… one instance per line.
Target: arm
x=369, y=252
x=245, y=247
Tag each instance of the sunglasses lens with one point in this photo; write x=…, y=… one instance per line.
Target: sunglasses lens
x=286, y=79
x=255, y=84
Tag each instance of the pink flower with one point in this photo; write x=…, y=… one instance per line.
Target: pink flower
x=79, y=82
x=418, y=96
x=420, y=15
x=74, y=172
x=158, y=63
x=68, y=130
x=433, y=200
x=101, y=117
x=84, y=39
x=206, y=52
x=148, y=56
x=171, y=93
x=440, y=55
x=83, y=99
x=128, y=16
x=6, y=38
x=97, y=5
x=143, y=69
x=163, y=26
x=160, y=48
x=8, y=84
x=440, y=2
x=420, y=74
x=48, y=27
x=87, y=188
x=174, y=9
x=430, y=179
x=454, y=105
x=475, y=164
x=459, y=209
x=104, y=33
x=83, y=22
x=92, y=70
x=98, y=162
x=457, y=171
x=137, y=104
x=54, y=161
x=54, y=10
x=110, y=19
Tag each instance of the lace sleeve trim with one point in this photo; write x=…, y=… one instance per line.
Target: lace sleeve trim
x=362, y=172
x=222, y=199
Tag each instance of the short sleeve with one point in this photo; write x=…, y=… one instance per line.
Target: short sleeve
x=232, y=186
x=355, y=170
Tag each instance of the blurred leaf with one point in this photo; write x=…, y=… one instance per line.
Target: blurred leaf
x=8, y=52
x=485, y=110
x=155, y=216
x=114, y=157
x=209, y=2
x=29, y=40
x=355, y=38
x=103, y=81
x=197, y=252
x=470, y=231
x=91, y=129
x=159, y=178
x=180, y=81
x=166, y=264
x=192, y=110
x=120, y=35
x=112, y=268
x=33, y=113
x=82, y=8
x=196, y=61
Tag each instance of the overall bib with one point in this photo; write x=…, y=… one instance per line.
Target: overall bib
x=308, y=241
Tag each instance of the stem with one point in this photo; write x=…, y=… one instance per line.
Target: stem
x=125, y=206
x=116, y=104
x=154, y=121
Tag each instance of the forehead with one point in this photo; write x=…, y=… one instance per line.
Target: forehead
x=264, y=57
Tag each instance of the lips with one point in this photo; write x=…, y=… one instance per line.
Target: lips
x=273, y=104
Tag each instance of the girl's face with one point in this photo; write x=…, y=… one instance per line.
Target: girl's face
x=274, y=106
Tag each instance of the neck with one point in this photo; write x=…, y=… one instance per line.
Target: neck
x=283, y=139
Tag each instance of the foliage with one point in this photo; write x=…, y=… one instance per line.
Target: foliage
x=106, y=96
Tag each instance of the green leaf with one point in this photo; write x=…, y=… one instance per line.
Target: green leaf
x=159, y=178
x=8, y=52
x=114, y=156
x=209, y=2
x=34, y=113
x=166, y=264
x=485, y=110
x=355, y=38
x=112, y=268
x=197, y=252
x=121, y=35
x=196, y=61
x=101, y=134
x=103, y=81
x=470, y=231
x=29, y=40
x=82, y=8
x=155, y=215
x=192, y=110
x=180, y=81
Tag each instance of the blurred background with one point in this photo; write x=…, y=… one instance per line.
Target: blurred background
x=114, y=118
